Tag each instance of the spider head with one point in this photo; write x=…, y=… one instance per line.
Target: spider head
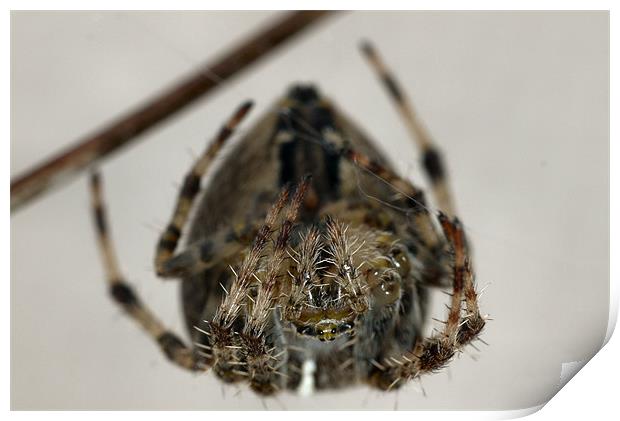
x=340, y=275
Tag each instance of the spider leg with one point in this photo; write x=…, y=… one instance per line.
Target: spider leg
x=262, y=354
x=431, y=157
x=228, y=360
x=123, y=294
x=459, y=330
x=203, y=254
x=413, y=196
x=191, y=186
x=341, y=254
x=270, y=287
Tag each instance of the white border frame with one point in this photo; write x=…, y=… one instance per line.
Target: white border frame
x=594, y=390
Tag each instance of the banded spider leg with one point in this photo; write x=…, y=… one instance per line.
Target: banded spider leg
x=122, y=293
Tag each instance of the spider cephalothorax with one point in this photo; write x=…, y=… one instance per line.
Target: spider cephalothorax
x=298, y=282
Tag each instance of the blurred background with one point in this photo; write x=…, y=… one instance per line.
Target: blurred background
x=517, y=101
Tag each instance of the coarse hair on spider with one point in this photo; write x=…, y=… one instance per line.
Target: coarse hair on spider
x=314, y=274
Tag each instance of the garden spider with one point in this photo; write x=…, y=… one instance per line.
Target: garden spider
x=308, y=260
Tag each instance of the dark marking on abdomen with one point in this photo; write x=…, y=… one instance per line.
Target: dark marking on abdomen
x=287, y=162
x=306, y=121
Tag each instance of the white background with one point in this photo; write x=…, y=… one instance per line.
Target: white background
x=517, y=101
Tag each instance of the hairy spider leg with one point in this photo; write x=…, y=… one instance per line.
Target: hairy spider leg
x=413, y=197
x=341, y=256
x=435, y=352
x=262, y=355
x=123, y=294
x=228, y=360
x=191, y=186
x=204, y=254
x=431, y=157
x=270, y=286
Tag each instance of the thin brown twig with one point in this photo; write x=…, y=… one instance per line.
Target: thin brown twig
x=87, y=151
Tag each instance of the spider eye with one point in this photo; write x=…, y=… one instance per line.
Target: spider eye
x=387, y=287
x=400, y=260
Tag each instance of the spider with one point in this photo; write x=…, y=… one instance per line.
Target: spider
x=308, y=260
